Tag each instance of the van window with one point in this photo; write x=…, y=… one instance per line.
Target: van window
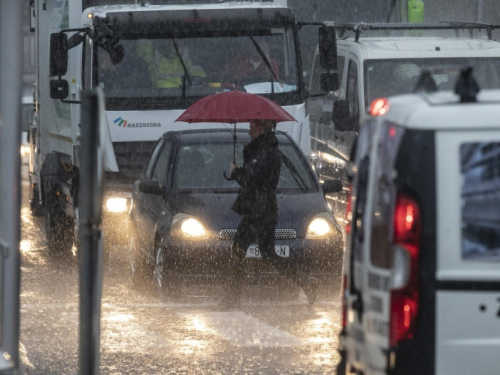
x=480, y=168
x=395, y=77
x=352, y=90
x=315, y=87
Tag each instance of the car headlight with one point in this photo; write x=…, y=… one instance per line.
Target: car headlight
x=322, y=226
x=117, y=205
x=188, y=227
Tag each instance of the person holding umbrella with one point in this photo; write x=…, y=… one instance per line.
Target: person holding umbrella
x=258, y=206
x=258, y=179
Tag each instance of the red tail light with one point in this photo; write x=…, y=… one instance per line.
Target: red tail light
x=404, y=301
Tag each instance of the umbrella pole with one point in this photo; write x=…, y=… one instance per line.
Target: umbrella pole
x=234, y=144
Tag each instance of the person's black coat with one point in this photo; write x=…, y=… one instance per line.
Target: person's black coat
x=258, y=177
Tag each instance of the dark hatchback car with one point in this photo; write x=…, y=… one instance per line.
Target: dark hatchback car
x=183, y=225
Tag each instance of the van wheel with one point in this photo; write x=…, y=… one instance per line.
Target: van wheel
x=163, y=282
x=59, y=231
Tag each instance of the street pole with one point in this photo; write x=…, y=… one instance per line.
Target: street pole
x=11, y=47
x=90, y=234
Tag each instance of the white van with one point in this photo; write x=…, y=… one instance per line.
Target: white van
x=421, y=291
x=381, y=60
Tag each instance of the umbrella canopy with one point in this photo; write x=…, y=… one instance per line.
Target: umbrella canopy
x=232, y=107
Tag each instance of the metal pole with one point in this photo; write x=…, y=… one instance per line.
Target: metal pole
x=90, y=241
x=11, y=47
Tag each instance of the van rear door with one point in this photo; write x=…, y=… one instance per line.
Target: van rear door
x=468, y=256
x=379, y=247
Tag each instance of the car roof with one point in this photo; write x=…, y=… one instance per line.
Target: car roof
x=444, y=111
x=388, y=47
x=219, y=136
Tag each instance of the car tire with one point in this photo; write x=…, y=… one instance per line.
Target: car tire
x=163, y=283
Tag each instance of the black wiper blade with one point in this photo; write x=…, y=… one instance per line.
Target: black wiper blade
x=181, y=60
x=264, y=58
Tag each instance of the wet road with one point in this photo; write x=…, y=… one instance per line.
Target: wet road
x=143, y=333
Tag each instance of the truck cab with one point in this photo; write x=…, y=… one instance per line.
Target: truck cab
x=151, y=62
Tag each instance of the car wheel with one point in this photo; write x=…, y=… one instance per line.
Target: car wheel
x=163, y=282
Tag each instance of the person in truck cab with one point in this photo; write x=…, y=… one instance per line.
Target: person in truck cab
x=250, y=64
x=129, y=73
x=168, y=62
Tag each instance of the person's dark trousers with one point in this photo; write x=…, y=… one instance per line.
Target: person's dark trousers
x=259, y=230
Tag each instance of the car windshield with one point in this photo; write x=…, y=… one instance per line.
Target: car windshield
x=173, y=67
x=385, y=78
x=201, y=166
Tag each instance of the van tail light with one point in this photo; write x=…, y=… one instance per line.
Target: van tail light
x=404, y=294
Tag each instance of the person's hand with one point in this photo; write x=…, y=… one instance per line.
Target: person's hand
x=232, y=167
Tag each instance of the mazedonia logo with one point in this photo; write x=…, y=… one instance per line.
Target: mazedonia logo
x=123, y=123
x=119, y=121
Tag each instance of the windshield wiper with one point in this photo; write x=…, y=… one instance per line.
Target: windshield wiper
x=265, y=59
x=186, y=73
x=295, y=174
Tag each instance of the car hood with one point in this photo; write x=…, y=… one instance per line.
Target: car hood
x=295, y=210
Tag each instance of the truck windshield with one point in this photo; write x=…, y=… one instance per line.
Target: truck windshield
x=174, y=71
x=393, y=77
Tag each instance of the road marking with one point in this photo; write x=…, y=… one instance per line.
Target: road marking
x=242, y=330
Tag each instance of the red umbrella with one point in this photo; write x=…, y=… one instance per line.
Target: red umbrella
x=232, y=107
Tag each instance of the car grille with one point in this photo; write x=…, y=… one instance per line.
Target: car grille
x=279, y=234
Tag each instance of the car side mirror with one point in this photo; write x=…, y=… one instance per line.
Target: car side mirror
x=331, y=186
x=58, y=54
x=330, y=81
x=341, y=115
x=150, y=187
x=328, y=47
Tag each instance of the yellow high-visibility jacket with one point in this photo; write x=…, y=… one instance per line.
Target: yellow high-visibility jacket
x=166, y=72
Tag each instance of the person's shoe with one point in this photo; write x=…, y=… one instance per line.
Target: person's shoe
x=311, y=290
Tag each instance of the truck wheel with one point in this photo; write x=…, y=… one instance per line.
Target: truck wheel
x=59, y=231
x=36, y=208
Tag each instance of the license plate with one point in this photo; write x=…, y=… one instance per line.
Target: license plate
x=282, y=251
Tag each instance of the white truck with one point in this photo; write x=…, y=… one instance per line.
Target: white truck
x=152, y=60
